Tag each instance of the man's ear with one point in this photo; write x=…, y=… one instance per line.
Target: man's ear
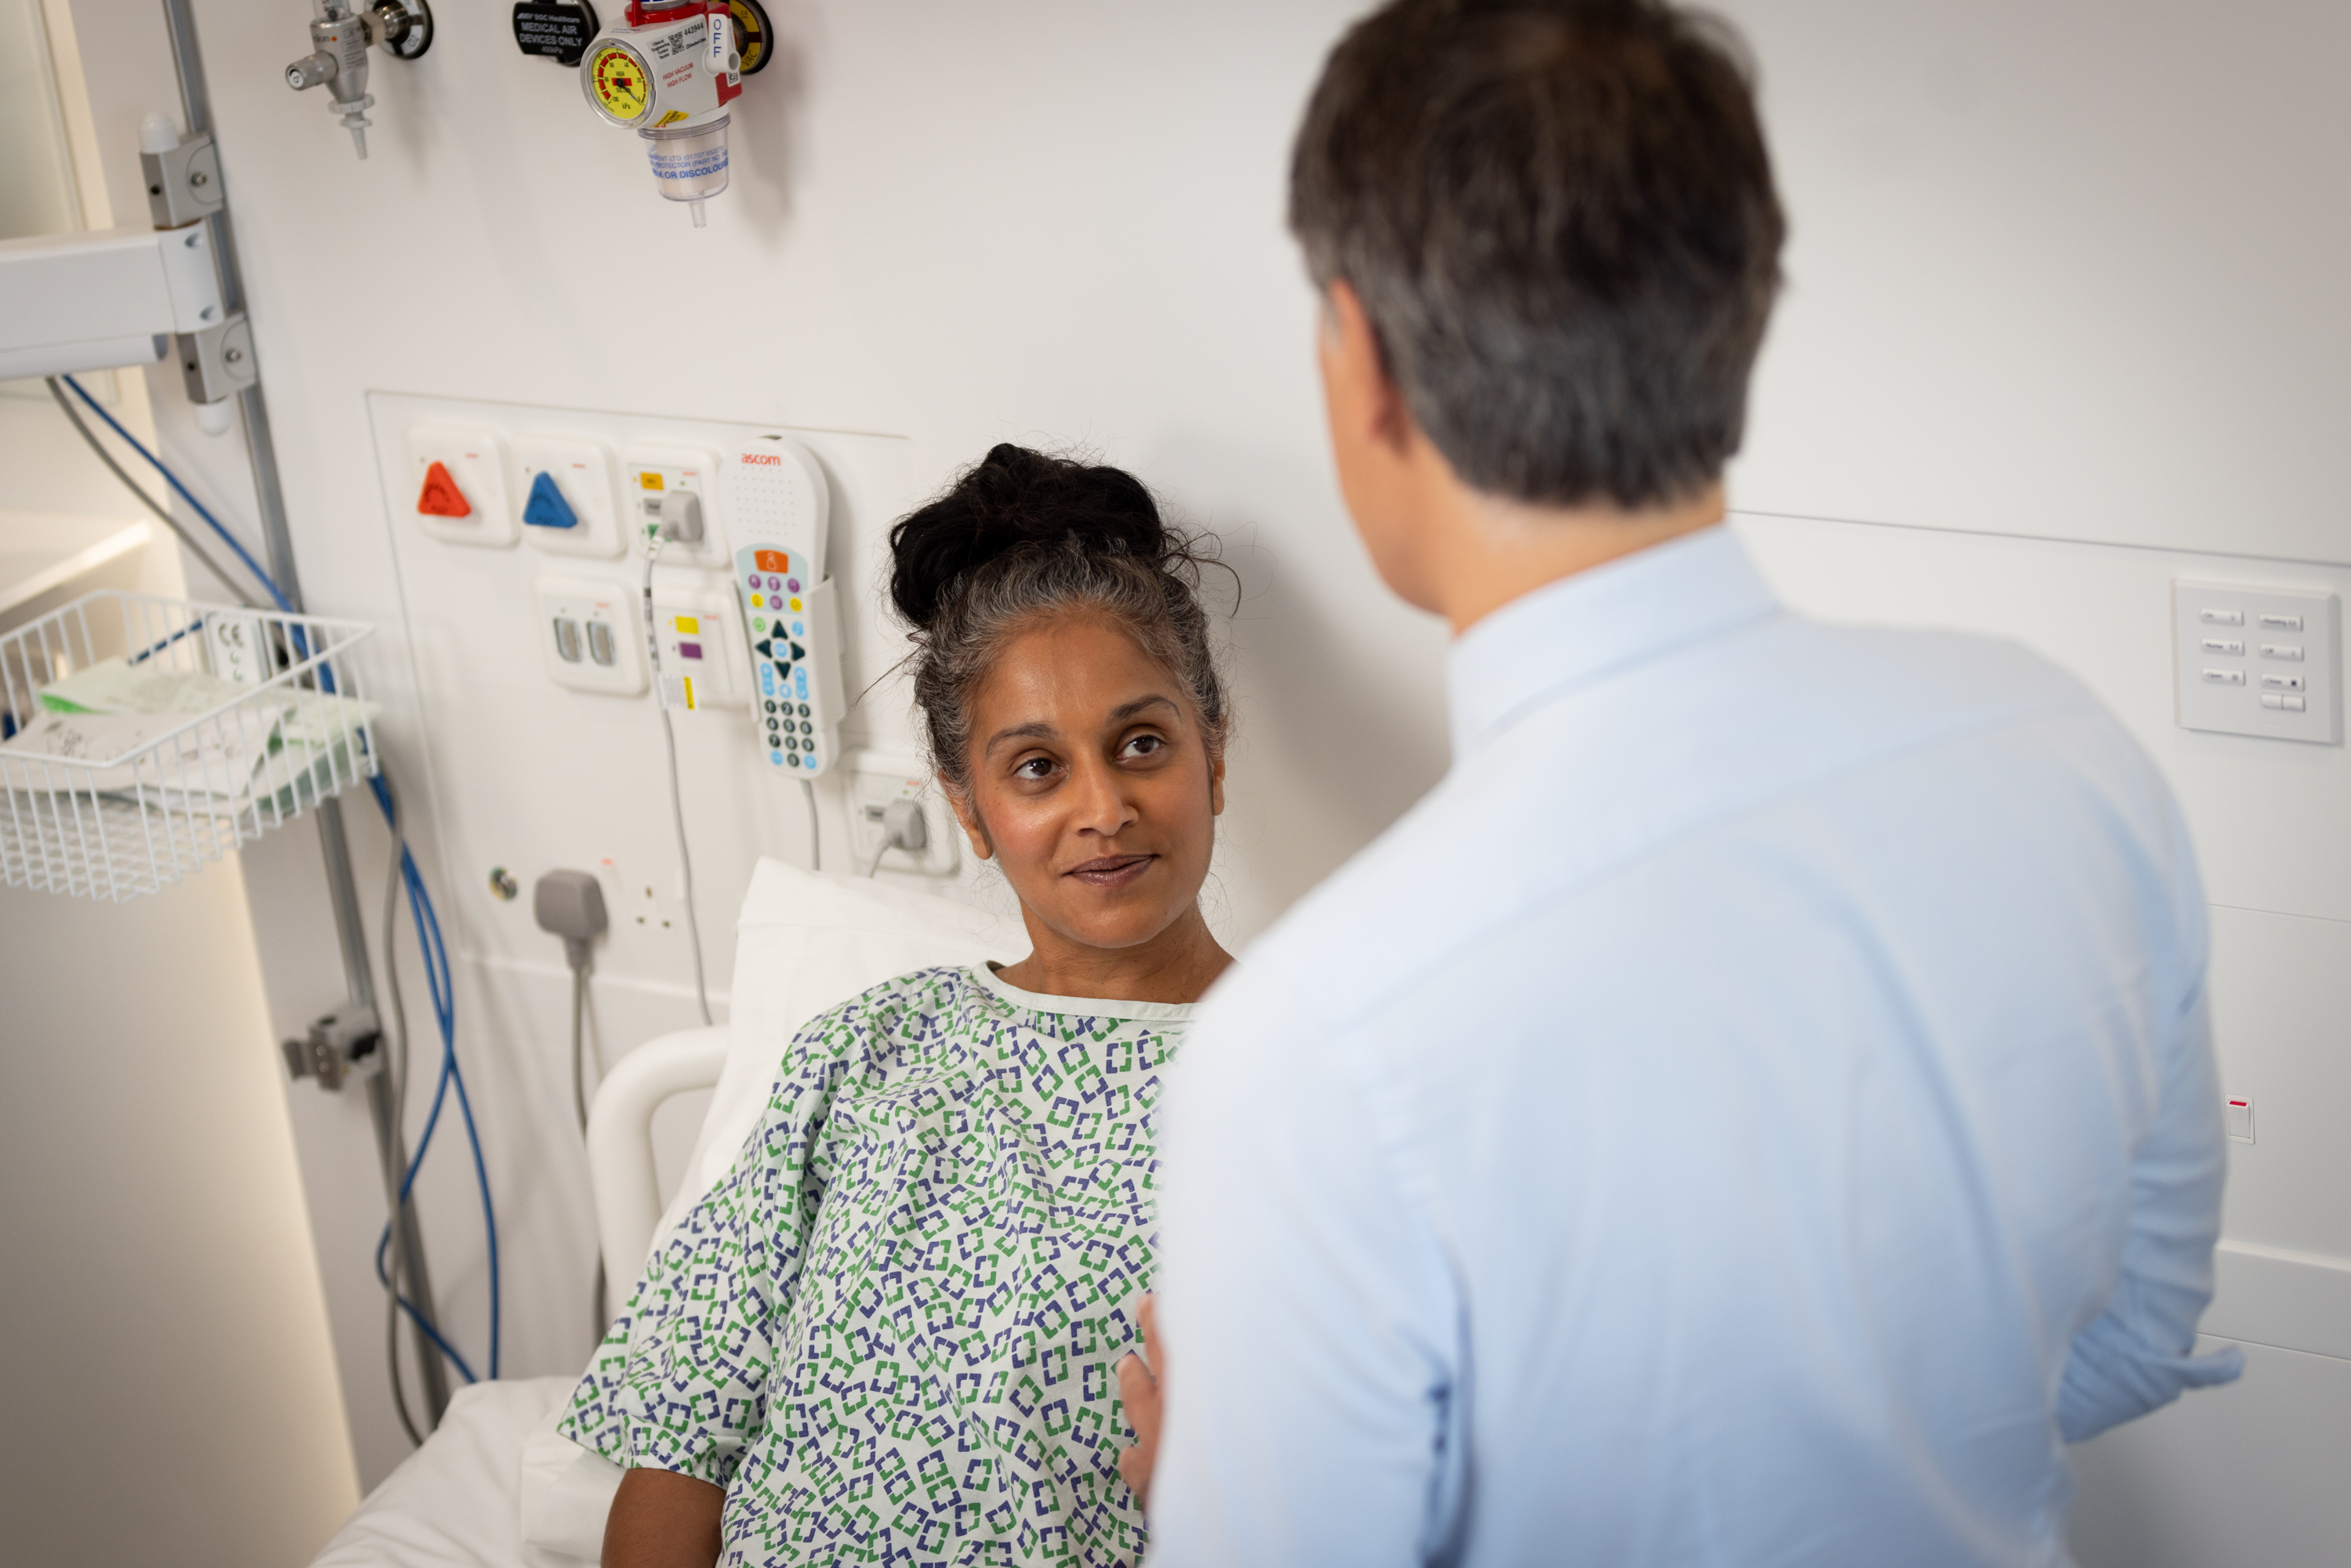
x=1361, y=392
x=968, y=819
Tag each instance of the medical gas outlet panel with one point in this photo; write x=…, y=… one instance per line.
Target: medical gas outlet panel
x=777, y=511
x=741, y=614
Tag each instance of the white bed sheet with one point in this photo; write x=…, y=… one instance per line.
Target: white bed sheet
x=456, y=1502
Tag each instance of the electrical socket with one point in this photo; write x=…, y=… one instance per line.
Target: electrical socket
x=876, y=781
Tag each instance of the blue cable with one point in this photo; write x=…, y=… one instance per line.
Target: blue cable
x=428, y=936
x=173, y=479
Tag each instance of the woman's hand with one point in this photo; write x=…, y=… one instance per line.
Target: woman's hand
x=660, y=1520
x=1143, y=1388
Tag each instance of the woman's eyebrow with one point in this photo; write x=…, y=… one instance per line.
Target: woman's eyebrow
x=1035, y=729
x=1126, y=711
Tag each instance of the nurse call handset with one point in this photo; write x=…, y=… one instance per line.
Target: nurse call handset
x=777, y=505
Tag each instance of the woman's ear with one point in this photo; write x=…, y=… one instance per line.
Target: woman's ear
x=1217, y=782
x=968, y=819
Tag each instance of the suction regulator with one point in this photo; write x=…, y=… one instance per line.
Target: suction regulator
x=668, y=71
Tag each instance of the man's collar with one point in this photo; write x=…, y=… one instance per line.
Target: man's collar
x=1596, y=622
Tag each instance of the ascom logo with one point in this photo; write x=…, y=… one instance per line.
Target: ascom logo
x=763, y=457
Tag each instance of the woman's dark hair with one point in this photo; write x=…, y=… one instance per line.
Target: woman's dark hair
x=1021, y=537
x=1560, y=218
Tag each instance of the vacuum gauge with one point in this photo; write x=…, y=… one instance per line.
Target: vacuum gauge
x=619, y=86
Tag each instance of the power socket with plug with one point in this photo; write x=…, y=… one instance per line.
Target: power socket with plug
x=876, y=783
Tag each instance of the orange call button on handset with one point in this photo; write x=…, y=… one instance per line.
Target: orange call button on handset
x=769, y=559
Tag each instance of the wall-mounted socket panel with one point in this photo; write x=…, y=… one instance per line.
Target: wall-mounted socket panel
x=2258, y=660
x=700, y=644
x=563, y=495
x=589, y=636
x=648, y=474
x=456, y=488
x=874, y=782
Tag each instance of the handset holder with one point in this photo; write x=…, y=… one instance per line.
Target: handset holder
x=777, y=508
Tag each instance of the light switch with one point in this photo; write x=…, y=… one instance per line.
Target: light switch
x=2280, y=687
x=2238, y=1117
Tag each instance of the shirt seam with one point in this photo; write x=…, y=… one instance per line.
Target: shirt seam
x=1518, y=712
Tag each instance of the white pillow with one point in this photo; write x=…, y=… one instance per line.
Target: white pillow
x=804, y=942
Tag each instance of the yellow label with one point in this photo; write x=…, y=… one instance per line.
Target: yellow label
x=689, y=693
x=649, y=480
x=672, y=118
x=688, y=626
x=618, y=79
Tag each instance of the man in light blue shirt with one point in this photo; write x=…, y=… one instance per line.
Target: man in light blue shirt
x=1759, y=1107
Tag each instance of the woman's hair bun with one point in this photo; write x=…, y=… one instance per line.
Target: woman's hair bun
x=1016, y=500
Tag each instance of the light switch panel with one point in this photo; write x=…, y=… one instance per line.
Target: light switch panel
x=2258, y=660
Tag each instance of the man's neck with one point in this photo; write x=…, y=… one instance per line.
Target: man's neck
x=1487, y=552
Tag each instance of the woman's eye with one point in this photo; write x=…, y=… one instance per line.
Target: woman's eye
x=1146, y=745
x=1034, y=769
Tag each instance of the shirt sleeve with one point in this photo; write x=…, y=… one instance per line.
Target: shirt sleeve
x=1306, y=1316
x=2133, y=1357
x=680, y=1383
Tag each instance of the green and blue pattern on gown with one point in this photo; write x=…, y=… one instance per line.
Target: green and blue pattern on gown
x=892, y=1331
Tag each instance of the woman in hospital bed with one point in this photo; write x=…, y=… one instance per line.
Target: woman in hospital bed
x=891, y=1333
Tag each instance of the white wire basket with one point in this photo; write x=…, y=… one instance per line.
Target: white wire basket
x=141, y=739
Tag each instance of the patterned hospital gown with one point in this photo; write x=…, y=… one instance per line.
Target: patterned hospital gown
x=892, y=1331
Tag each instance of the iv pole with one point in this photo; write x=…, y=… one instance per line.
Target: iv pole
x=408, y=1243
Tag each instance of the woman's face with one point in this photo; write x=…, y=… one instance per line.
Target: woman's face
x=1092, y=786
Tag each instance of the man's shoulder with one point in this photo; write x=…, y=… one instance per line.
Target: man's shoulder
x=1585, y=787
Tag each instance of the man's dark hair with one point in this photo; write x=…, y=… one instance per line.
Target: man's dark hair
x=1559, y=216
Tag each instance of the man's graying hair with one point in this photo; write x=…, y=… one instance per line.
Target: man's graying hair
x=1559, y=216
x=1022, y=538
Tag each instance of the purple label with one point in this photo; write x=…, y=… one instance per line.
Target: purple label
x=689, y=650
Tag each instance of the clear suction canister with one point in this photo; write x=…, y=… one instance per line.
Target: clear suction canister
x=689, y=161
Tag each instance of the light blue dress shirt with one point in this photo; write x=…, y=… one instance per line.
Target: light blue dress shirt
x=1755, y=1110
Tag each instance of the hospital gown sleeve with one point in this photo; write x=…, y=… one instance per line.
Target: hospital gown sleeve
x=1306, y=1315
x=680, y=1383
x=2133, y=1357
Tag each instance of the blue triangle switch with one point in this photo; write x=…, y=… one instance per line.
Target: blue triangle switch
x=546, y=508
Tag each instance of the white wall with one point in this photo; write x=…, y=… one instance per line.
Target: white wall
x=2062, y=324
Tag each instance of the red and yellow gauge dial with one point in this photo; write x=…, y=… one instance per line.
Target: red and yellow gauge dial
x=618, y=83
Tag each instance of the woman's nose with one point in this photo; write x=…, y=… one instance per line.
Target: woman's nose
x=1101, y=803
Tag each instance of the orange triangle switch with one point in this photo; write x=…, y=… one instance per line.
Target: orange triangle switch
x=441, y=498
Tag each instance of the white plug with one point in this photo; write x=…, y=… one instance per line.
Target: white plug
x=681, y=518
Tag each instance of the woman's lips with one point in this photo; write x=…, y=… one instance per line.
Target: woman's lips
x=1111, y=870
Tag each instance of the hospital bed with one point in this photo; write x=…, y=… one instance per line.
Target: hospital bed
x=496, y=1486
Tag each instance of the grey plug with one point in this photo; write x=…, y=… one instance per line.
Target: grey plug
x=903, y=828
x=681, y=518
x=570, y=905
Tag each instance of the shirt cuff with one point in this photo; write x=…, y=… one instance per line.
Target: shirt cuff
x=2113, y=1376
